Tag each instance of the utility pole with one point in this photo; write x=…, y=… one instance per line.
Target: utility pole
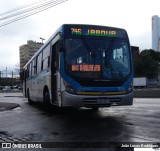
x=12, y=74
x=6, y=72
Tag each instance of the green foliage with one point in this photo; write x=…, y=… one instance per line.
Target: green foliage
x=9, y=81
x=147, y=63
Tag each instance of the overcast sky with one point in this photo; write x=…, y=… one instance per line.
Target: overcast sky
x=132, y=15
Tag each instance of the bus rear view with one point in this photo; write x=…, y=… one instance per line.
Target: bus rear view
x=97, y=67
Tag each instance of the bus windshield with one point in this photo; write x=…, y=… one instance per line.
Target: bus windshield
x=97, y=58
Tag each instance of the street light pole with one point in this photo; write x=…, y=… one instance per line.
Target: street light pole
x=42, y=39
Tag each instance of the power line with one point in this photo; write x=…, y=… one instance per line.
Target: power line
x=27, y=10
x=17, y=12
x=31, y=11
x=21, y=7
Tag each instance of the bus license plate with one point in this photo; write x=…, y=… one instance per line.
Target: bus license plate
x=102, y=100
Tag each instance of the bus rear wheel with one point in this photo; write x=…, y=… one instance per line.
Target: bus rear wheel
x=30, y=102
x=46, y=99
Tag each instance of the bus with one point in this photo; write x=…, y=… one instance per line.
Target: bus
x=81, y=66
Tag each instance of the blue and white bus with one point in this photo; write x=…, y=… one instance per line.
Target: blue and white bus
x=81, y=66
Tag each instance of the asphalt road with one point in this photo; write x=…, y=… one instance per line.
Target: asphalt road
x=137, y=123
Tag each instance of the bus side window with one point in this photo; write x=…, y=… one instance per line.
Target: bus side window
x=34, y=66
x=39, y=63
x=27, y=72
x=30, y=69
x=46, y=58
x=48, y=61
x=55, y=56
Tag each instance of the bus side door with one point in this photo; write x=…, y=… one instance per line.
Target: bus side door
x=55, y=74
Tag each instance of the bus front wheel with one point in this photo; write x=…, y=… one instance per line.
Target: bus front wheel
x=95, y=108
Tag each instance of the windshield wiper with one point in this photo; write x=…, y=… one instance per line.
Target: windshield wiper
x=89, y=48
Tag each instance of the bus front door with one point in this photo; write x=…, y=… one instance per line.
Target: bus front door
x=54, y=79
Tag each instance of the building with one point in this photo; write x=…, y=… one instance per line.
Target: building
x=26, y=51
x=156, y=38
x=156, y=33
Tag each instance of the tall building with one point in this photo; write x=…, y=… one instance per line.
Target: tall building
x=26, y=51
x=156, y=33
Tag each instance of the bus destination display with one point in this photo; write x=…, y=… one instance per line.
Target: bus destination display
x=93, y=32
x=86, y=67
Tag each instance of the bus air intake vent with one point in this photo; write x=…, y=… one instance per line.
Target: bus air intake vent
x=101, y=100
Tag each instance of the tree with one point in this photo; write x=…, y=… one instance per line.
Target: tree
x=147, y=63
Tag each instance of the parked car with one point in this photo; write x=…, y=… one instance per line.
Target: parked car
x=6, y=88
x=1, y=87
x=20, y=88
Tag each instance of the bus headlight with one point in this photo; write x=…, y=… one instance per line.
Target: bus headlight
x=68, y=87
x=130, y=88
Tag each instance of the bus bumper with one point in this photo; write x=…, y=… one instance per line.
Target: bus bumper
x=72, y=100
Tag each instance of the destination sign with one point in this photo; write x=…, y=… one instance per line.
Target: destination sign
x=93, y=32
x=86, y=67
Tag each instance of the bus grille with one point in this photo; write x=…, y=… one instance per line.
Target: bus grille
x=102, y=101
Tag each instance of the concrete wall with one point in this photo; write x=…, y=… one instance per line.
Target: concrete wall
x=147, y=93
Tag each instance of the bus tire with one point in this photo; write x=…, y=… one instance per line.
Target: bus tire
x=95, y=108
x=29, y=100
x=46, y=99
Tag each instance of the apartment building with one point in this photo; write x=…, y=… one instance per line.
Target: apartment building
x=26, y=51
